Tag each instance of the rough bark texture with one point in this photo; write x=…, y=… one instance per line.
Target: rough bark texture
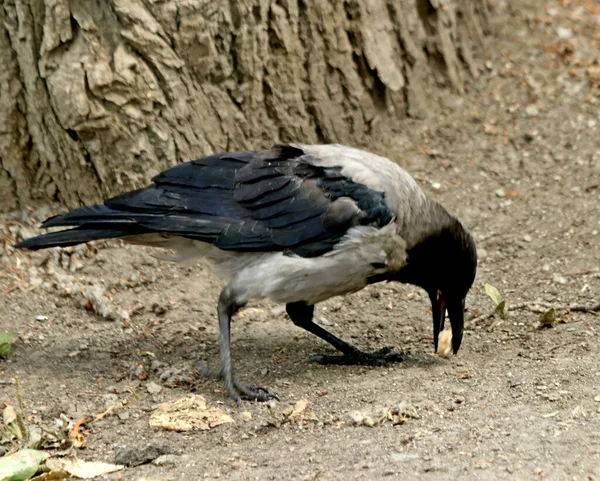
x=96, y=96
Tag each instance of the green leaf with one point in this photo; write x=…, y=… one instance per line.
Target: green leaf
x=21, y=465
x=493, y=293
x=548, y=318
x=5, y=341
x=502, y=310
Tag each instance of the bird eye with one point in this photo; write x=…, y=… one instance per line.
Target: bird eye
x=378, y=265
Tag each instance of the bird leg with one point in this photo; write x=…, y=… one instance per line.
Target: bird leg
x=302, y=314
x=227, y=307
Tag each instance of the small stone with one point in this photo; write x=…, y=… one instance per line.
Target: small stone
x=41, y=318
x=368, y=421
x=171, y=459
x=136, y=455
x=246, y=416
x=356, y=417
x=500, y=192
x=527, y=238
x=578, y=413
x=558, y=279
x=153, y=388
x=123, y=415
x=482, y=254
x=531, y=111
x=402, y=457
x=564, y=32
x=74, y=353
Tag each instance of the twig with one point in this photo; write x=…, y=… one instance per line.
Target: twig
x=21, y=413
x=13, y=222
x=578, y=308
x=10, y=289
x=105, y=413
x=582, y=273
x=539, y=307
x=480, y=318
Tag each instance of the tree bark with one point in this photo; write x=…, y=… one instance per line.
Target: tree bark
x=97, y=96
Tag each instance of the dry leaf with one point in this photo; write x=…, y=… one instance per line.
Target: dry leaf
x=9, y=414
x=12, y=422
x=299, y=407
x=188, y=414
x=75, y=435
x=52, y=476
x=82, y=469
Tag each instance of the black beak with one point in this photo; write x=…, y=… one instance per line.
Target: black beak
x=456, y=312
x=438, y=309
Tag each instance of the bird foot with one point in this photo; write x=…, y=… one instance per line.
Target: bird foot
x=377, y=358
x=236, y=389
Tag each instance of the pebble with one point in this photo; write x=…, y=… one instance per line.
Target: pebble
x=558, y=279
x=172, y=459
x=41, y=318
x=527, y=238
x=531, y=111
x=402, y=457
x=356, y=417
x=153, y=388
x=368, y=421
x=136, y=455
x=564, y=32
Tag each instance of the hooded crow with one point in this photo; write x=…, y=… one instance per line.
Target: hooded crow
x=296, y=224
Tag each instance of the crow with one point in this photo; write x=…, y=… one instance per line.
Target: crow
x=296, y=224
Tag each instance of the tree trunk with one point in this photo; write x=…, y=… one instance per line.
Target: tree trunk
x=97, y=96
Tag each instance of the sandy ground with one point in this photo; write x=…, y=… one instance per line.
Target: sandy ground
x=516, y=159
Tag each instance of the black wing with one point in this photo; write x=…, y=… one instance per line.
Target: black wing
x=272, y=200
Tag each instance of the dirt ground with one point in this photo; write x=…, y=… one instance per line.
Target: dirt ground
x=517, y=160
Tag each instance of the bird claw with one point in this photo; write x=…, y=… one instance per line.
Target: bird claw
x=238, y=390
x=251, y=393
x=377, y=358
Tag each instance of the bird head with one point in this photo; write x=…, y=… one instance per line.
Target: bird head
x=444, y=263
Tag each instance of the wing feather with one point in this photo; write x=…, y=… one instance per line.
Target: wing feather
x=278, y=199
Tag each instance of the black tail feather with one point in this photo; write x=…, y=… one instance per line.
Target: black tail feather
x=88, y=215
x=70, y=237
